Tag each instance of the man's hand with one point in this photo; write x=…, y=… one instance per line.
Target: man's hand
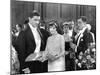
x=26, y=70
x=41, y=59
x=73, y=46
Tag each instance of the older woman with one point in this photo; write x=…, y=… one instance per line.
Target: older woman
x=55, y=50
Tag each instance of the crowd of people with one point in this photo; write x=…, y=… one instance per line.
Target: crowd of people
x=66, y=47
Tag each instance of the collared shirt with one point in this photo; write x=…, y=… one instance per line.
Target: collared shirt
x=36, y=37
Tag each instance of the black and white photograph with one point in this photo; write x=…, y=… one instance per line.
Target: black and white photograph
x=48, y=37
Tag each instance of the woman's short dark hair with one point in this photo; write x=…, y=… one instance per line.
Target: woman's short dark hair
x=34, y=13
x=55, y=23
x=52, y=23
x=68, y=25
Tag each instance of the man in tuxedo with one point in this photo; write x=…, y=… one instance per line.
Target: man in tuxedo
x=83, y=38
x=32, y=40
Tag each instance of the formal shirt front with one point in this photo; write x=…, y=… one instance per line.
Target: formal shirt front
x=36, y=37
x=79, y=33
x=78, y=36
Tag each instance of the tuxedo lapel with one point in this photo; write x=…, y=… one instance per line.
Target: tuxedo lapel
x=79, y=39
x=30, y=34
x=41, y=36
x=81, y=35
x=77, y=42
x=39, y=32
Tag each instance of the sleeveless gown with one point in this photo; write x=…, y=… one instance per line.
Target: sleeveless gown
x=54, y=47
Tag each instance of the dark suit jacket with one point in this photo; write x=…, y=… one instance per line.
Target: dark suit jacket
x=25, y=43
x=84, y=41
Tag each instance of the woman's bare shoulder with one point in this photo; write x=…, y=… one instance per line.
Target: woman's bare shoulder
x=49, y=37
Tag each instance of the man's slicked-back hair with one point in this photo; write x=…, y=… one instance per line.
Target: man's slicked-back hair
x=34, y=13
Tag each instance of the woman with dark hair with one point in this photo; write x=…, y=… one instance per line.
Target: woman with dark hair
x=55, y=49
x=67, y=29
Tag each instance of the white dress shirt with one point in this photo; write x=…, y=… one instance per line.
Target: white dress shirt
x=80, y=32
x=36, y=37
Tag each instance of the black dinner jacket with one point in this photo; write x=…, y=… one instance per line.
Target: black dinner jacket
x=30, y=44
x=84, y=41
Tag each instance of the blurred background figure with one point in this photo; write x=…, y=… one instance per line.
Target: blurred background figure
x=70, y=24
x=89, y=29
x=68, y=31
x=25, y=24
x=16, y=32
x=16, y=43
x=14, y=61
x=13, y=31
x=42, y=25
